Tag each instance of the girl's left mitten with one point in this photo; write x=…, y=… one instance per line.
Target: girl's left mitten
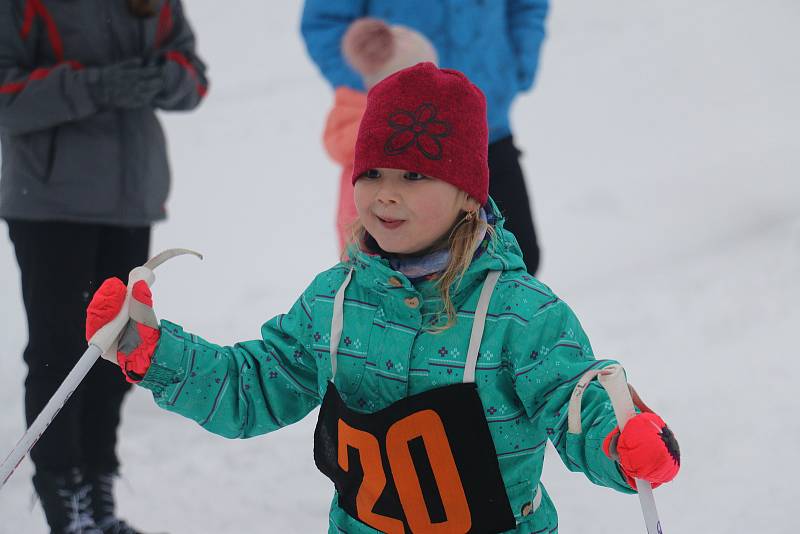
x=139, y=338
x=645, y=449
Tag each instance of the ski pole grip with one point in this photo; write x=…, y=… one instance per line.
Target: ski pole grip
x=107, y=335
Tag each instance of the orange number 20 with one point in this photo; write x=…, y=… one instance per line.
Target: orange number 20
x=374, y=477
x=424, y=424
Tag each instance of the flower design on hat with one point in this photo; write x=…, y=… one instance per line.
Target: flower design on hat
x=420, y=128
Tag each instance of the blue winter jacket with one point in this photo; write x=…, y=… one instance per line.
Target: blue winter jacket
x=494, y=42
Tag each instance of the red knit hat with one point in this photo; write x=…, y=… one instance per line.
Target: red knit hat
x=427, y=120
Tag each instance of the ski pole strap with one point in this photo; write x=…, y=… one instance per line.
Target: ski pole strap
x=143, y=314
x=574, y=424
x=574, y=410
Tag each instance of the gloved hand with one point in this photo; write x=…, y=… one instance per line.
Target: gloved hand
x=645, y=449
x=367, y=45
x=129, y=84
x=139, y=338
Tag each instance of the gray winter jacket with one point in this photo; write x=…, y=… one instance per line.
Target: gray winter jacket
x=63, y=157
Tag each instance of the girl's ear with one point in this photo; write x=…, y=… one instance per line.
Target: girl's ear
x=470, y=204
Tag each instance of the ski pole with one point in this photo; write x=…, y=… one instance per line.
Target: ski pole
x=102, y=341
x=613, y=379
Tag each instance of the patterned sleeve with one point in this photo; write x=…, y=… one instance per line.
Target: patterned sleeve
x=244, y=390
x=544, y=383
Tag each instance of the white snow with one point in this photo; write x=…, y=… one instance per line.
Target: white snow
x=661, y=149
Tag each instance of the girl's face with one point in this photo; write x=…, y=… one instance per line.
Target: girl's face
x=407, y=212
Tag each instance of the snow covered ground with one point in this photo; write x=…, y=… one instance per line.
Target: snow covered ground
x=661, y=147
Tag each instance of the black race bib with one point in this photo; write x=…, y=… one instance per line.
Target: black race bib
x=425, y=464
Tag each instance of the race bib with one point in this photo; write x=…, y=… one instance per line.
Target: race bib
x=425, y=464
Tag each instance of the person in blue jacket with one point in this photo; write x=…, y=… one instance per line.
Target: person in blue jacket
x=495, y=43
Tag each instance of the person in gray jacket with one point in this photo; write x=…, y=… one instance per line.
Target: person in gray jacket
x=84, y=176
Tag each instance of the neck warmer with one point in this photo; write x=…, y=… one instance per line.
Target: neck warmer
x=432, y=263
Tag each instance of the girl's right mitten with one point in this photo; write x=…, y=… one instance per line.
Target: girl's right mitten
x=139, y=338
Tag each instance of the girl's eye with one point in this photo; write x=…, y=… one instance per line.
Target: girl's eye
x=414, y=176
x=372, y=173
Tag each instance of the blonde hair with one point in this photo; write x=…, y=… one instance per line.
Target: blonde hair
x=462, y=241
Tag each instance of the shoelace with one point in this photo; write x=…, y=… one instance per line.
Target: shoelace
x=80, y=517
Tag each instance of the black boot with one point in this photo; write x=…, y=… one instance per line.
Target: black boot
x=102, y=500
x=65, y=500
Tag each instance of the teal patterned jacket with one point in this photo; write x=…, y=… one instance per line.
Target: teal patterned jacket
x=532, y=354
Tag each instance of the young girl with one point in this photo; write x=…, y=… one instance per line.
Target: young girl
x=441, y=366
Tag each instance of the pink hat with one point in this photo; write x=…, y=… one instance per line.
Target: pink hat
x=376, y=50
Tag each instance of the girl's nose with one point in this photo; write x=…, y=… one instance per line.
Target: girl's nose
x=387, y=194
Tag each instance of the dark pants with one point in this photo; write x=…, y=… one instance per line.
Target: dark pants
x=61, y=265
x=507, y=188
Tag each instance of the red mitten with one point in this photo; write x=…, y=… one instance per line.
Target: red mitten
x=646, y=449
x=139, y=338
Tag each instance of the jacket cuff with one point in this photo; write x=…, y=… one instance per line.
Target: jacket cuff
x=167, y=366
x=609, y=467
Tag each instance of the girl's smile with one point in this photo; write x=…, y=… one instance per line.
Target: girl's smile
x=389, y=223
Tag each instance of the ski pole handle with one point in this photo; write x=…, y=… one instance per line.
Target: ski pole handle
x=106, y=337
x=613, y=379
